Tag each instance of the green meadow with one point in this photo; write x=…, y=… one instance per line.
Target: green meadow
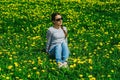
x=93, y=39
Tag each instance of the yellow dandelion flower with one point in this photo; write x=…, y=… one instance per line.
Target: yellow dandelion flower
x=13, y=52
x=8, y=53
x=112, y=49
x=75, y=60
x=107, y=56
x=26, y=47
x=109, y=75
x=80, y=62
x=33, y=62
x=19, y=69
x=92, y=78
x=118, y=46
x=43, y=70
x=0, y=69
x=81, y=75
x=53, y=68
x=90, y=61
x=79, y=1
x=71, y=66
x=101, y=44
x=36, y=37
x=54, y=62
x=91, y=67
x=23, y=29
x=10, y=67
x=106, y=33
x=73, y=54
x=112, y=70
x=1, y=37
x=98, y=47
x=102, y=75
x=38, y=58
x=7, y=78
x=28, y=36
x=39, y=62
x=16, y=64
x=11, y=73
x=110, y=52
x=70, y=45
x=17, y=46
x=34, y=68
x=17, y=77
x=33, y=44
x=0, y=53
x=90, y=53
x=28, y=75
x=37, y=72
x=111, y=37
x=74, y=65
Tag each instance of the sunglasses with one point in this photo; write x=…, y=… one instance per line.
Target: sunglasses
x=59, y=19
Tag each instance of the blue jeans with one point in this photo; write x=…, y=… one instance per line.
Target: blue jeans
x=61, y=52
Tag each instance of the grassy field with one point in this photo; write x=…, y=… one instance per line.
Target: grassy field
x=94, y=39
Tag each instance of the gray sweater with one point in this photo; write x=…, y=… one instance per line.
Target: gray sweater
x=54, y=37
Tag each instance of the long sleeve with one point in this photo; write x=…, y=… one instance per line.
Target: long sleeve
x=48, y=36
x=66, y=40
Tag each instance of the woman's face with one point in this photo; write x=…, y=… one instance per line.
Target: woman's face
x=58, y=20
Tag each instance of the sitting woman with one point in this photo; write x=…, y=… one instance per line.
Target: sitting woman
x=57, y=41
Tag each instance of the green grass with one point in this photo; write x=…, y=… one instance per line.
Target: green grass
x=94, y=40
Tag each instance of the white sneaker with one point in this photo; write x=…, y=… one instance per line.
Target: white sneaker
x=60, y=65
x=65, y=64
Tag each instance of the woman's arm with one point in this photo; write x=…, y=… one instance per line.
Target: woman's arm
x=66, y=40
x=48, y=36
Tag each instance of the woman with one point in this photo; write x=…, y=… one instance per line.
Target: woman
x=57, y=41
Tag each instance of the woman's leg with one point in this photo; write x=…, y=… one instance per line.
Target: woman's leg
x=65, y=51
x=58, y=53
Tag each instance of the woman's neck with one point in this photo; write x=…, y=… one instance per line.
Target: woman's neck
x=56, y=26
